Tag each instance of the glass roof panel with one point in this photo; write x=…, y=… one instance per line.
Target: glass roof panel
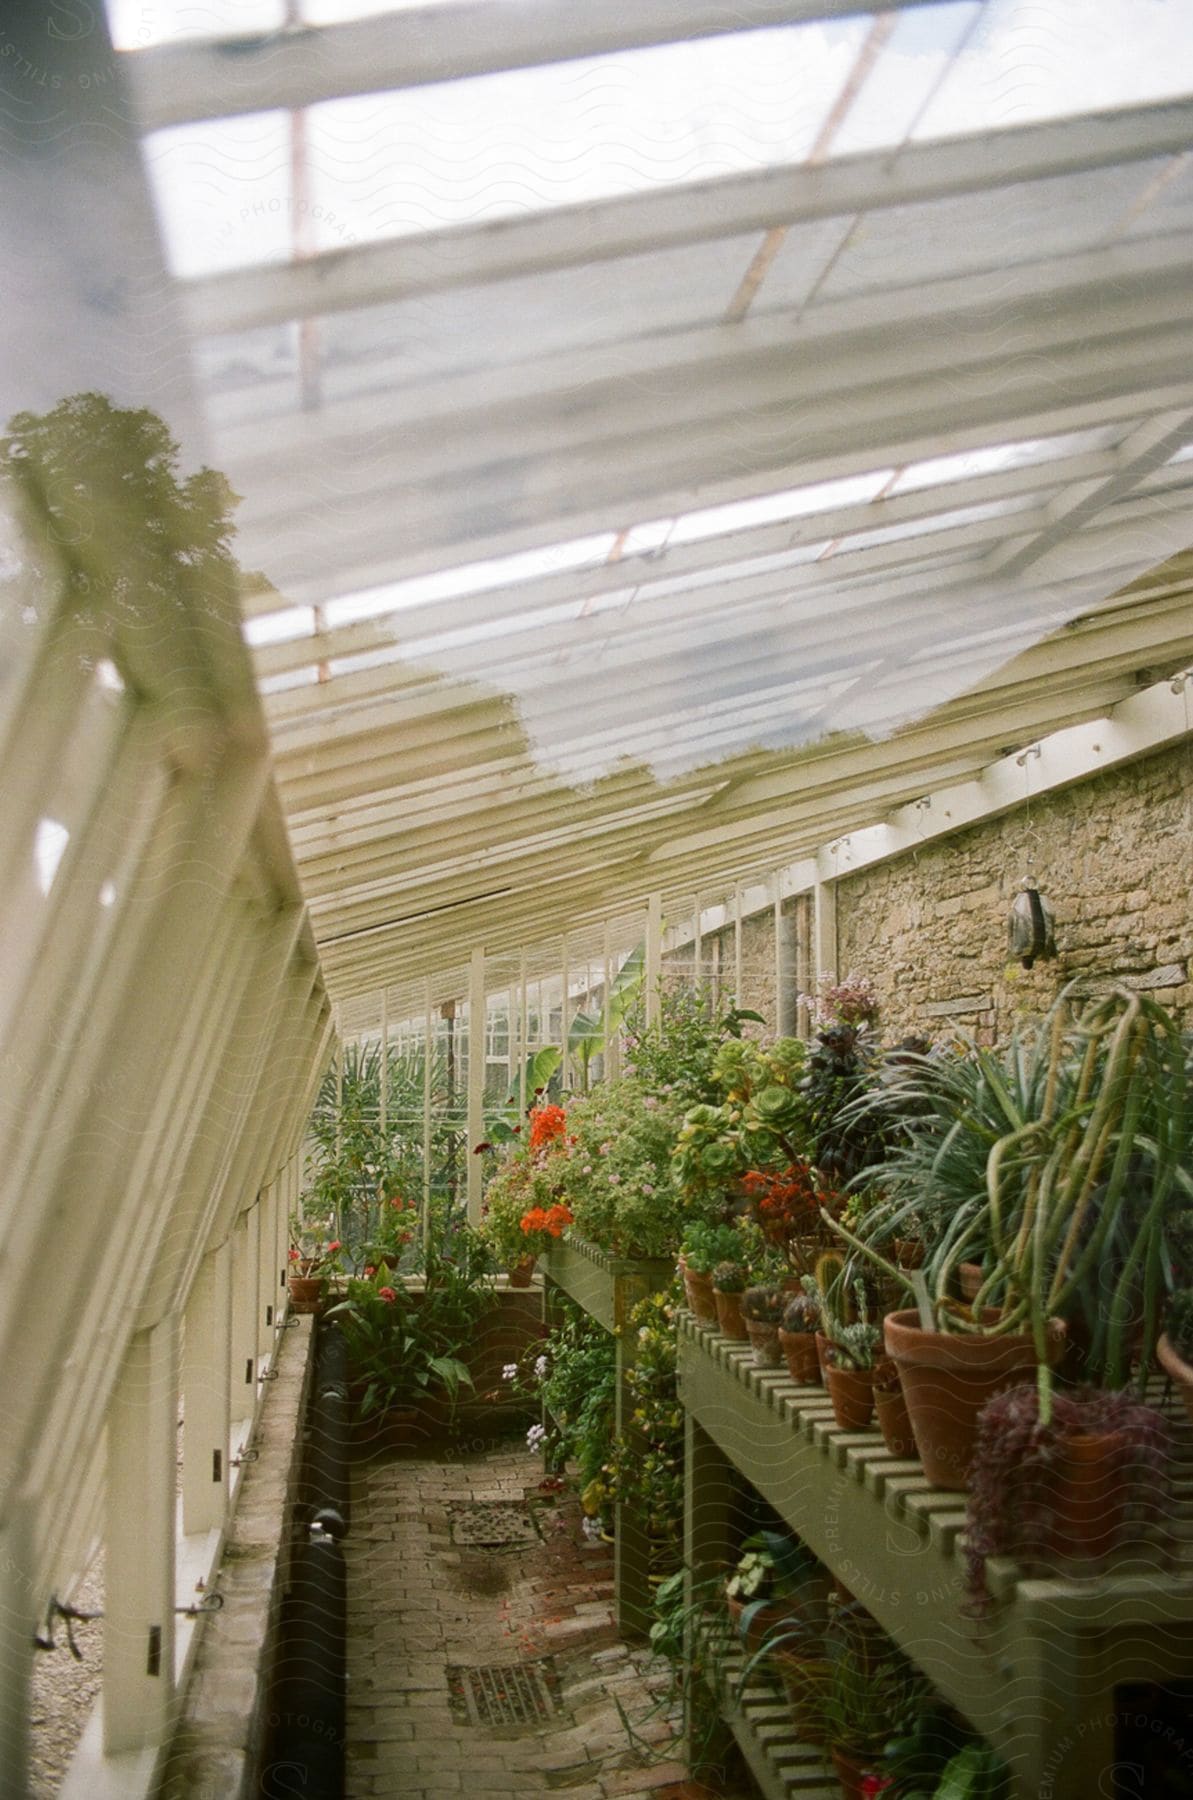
x=498, y=146
x=134, y=25
x=1029, y=62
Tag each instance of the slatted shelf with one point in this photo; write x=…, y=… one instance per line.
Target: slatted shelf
x=1037, y=1677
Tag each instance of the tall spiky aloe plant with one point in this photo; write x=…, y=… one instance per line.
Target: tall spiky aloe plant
x=1095, y=1144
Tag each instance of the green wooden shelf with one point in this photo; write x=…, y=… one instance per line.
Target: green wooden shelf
x=1037, y=1678
x=608, y=1288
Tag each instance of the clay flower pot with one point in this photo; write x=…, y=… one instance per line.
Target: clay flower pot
x=852, y=1394
x=799, y=1351
x=764, y=1342
x=947, y=1378
x=970, y=1277
x=1090, y=1482
x=803, y=1678
x=729, y=1316
x=700, y=1297
x=1177, y=1369
x=306, y=1293
x=521, y=1273
x=890, y=1409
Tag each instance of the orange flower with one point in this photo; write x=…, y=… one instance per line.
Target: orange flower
x=547, y=1123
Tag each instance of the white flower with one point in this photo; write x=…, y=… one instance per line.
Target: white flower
x=510, y=1372
x=535, y=1436
x=540, y=1366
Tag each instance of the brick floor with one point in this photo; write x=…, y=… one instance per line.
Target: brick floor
x=419, y=1602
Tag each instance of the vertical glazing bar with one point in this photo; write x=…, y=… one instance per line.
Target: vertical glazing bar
x=476, y=1081
x=138, y=1651
x=524, y=1002
x=384, y=1060
x=824, y=930
x=780, y=970
x=697, y=943
x=738, y=996
x=654, y=956
x=565, y=1065
x=428, y=1055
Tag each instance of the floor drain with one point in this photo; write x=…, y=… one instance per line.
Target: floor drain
x=490, y=1525
x=519, y=1694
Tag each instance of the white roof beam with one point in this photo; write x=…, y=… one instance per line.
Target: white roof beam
x=582, y=485
x=300, y=67
x=635, y=224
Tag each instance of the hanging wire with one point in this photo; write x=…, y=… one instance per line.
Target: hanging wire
x=1030, y=834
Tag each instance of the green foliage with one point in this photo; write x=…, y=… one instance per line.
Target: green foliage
x=578, y=1386
x=405, y=1343
x=616, y=1176
x=706, y=1244
x=677, y=1055
x=645, y=1470
x=359, y=1167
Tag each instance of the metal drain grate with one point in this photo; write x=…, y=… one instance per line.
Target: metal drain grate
x=490, y=1525
x=521, y=1694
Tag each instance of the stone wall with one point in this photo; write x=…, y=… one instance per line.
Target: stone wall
x=1114, y=857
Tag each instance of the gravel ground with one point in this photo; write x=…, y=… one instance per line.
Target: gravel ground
x=64, y=1691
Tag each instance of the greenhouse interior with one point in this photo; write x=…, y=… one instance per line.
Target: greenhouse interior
x=597, y=729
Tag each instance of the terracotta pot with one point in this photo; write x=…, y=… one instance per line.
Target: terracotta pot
x=771, y=1616
x=803, y=1679
x=970, y=1277
x=1177, y=1369
x=948, y=1377
x=852, y=1394
x=306, y=1293
x=890, y=1409
x=909, y=1253
x=764, y=1342
x=852, y=1771
x=1089, y=1485
x=521, y=1273
x=729, y=1316
x=701, y=1299
x=803, y=1364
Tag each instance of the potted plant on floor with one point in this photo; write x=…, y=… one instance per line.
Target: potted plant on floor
x=869, y=1696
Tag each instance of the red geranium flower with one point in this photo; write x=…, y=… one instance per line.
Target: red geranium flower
x=370, y=1268
x=294, y=1255
x=547, y=1123
x=387, y=1294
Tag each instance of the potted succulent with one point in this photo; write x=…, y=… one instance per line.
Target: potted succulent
x=1175, y=1348
x=704, y=1246
x=762, y=1308
x=852, y=1352
x=729, y=1282
x=1065, y=1488
x=869, y=1696
x=797, y=1338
